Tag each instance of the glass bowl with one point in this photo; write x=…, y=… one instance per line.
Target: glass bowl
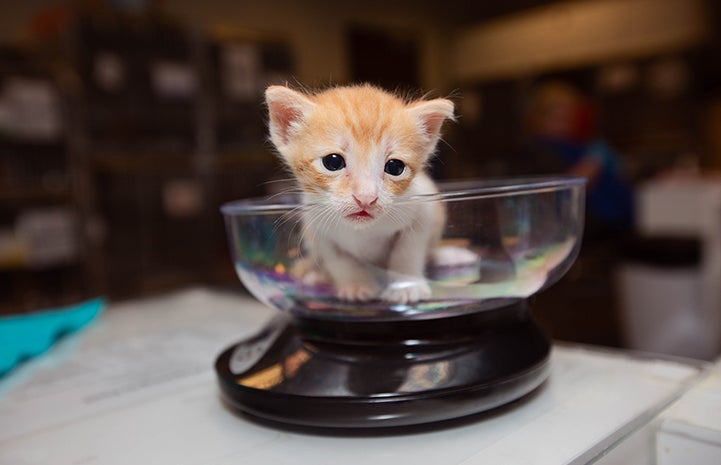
x=503, y=241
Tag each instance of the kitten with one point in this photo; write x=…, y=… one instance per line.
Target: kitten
x=355, y=151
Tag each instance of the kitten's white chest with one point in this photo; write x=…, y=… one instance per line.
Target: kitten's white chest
x=366, y=246
x=375, y=244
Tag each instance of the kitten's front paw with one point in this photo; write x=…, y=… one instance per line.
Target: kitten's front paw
x=309, y=273
x=359, y=292
x=405, y=292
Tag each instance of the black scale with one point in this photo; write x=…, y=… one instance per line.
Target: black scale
x=366, y=374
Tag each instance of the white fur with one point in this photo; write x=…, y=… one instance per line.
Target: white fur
x=385, y=258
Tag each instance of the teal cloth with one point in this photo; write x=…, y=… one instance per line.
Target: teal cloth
x=29, y=335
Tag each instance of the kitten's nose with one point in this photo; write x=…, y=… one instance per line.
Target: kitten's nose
x=365, y=200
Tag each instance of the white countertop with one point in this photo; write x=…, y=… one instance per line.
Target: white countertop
x=138, y=387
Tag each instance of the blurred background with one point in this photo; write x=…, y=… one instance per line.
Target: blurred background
x=124, y=125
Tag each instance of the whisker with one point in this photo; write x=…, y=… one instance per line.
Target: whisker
x=290, y=191
x=290, y=180
x=315, y=223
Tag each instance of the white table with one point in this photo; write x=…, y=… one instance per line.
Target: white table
x=690, y=430
x=138, y=387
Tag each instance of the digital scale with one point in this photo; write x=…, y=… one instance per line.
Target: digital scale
x=473, y=346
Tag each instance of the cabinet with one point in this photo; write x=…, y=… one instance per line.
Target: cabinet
x=162, y=123
x=42, y=258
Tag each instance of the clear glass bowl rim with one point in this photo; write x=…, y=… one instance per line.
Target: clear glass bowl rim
x=451, y=190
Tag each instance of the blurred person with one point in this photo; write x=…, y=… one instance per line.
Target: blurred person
x=561, y=138
x=560, y=122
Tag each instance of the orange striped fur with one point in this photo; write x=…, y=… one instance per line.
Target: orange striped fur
x=364, y=124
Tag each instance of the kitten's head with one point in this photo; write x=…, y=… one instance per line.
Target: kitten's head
x=355, y=149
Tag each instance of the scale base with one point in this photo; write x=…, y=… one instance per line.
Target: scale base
x=320, y=373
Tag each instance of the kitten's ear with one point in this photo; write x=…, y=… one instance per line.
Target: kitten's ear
x=430, y=115
x=287, y=110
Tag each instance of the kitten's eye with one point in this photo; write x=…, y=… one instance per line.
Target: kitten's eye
x=394, y=167
x=333, y=162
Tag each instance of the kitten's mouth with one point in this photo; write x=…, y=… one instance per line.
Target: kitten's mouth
x=362, y=215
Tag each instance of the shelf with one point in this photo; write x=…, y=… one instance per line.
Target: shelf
x=127, y=163
x=246, y=157
x=141, y=163
x=15, y=196
x=10, y=141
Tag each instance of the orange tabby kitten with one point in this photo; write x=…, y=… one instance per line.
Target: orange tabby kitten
x=356, y=152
